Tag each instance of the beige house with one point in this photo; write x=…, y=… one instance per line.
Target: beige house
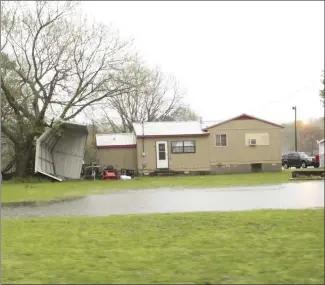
x=176, y=146
x=241, y=144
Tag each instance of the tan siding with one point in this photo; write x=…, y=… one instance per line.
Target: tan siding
x=261, y=138
x=236, y=152
x=198, y=161
x=122, y=157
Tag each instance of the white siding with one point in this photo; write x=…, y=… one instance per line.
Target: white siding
x=321, y=148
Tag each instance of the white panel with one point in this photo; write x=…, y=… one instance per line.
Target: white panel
x=261, y=138
x=68, y=154
x=43, y=159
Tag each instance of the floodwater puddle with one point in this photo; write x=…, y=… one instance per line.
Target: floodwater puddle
x=299, y=195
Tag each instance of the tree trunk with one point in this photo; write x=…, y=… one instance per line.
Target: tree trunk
x=25, y=157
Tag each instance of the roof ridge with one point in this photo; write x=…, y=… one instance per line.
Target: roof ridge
x=114, y=134
x=166, y=122
x=244, y=115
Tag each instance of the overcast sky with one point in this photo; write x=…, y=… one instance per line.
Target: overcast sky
x=259, y=57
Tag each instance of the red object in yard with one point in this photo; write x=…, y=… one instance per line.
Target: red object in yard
x=110, y=175
x=317, y=158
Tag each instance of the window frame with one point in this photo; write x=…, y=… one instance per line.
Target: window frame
x=220, y=135
x=183, y=147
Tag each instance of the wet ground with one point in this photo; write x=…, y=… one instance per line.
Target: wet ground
x=164, y=200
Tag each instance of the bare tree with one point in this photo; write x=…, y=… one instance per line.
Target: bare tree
x=307, y=135
x=57, y=68
x=183, y=113
x=155, y=97
x=7, y=154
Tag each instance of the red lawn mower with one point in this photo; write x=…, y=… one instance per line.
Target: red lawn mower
x=110, y=173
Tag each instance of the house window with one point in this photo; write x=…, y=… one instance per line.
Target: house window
x=183, y=147
x=189, y=146
x=221, y=140
x=177, y=147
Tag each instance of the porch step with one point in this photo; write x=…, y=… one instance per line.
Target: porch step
x=165, y=172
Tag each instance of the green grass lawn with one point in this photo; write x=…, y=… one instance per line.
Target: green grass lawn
x=255, y=247
x=17, y=192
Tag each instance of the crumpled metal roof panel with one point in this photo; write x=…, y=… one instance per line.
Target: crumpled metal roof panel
x=60, y=151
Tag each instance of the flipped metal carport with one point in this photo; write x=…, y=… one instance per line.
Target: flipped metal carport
x=60, y=151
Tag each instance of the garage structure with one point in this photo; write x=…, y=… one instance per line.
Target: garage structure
x=60, y=151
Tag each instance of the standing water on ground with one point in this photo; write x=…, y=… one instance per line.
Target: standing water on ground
x=171, y=200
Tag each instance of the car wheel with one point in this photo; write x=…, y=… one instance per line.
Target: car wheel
x=303, y=164
x=285, y=165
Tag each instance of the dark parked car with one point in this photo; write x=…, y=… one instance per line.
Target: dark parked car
x=298, y=159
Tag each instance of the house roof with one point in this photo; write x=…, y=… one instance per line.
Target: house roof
x=165, y=129
x=115, y=140
x=245, y=117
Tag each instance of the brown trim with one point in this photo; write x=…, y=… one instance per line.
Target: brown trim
x=118, y=146
x=174, y=136
x=245, y=117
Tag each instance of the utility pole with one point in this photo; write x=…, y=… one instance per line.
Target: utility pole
x=295, y=109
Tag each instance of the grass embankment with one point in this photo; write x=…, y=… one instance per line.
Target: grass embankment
x=257, y=247
x=18, y=192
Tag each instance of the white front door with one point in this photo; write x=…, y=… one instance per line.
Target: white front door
x=162, y=154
